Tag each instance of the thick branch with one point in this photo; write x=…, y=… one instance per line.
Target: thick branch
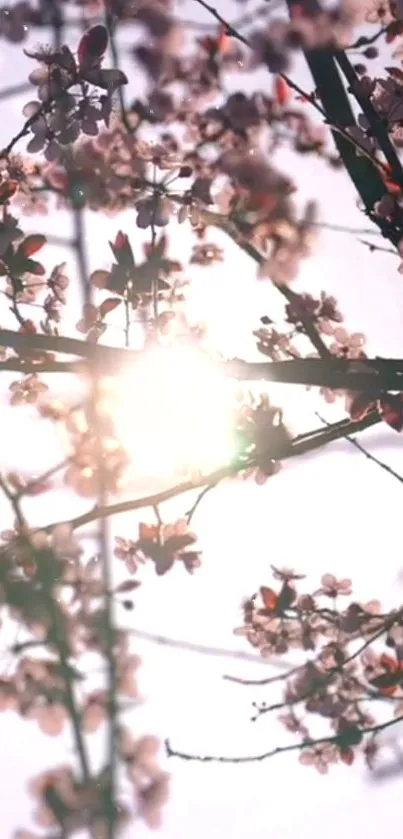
x=370, y=375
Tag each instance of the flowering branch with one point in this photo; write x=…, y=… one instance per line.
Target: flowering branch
x=58, y=638
x=300, y=445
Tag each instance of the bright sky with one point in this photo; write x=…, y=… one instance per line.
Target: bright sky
x=334, y=511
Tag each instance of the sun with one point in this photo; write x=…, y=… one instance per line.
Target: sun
x=174, y=413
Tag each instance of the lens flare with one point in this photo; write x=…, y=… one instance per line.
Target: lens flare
x=174, y=413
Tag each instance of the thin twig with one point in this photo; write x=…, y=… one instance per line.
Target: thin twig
x=366, y=453
x=191, y=512
x=26, y=489
x=374, y=248
x=268, y=680
x=374, y=729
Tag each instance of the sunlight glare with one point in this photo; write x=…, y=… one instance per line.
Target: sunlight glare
x=174, y=413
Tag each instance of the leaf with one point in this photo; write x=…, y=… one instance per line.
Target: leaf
x=31, y=244
x=360, y=405
x=122, y=250
x=109, y=305
x=349, y=735
x=185, y=172
x=269, y=598
x=7, y=190
x=99, y=278
x=347, y=756
x=147, y=531
x=121, y=240
x=127, y=586
x=396, y=73
x=392, y=411
x=286, y=597
x=389, y=663
x=281, y=91
x=92, y=46
x=109, y=79
x=216, y=45
x=34, y=267
x=223, y=40
x=388, y=682
x=65, y=59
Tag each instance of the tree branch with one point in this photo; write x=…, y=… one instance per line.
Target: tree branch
x=59, y=642
x=300, y=445
x=374, y=729
x=367, y=454
x=372, y=374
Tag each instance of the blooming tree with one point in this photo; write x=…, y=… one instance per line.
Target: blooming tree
x=184, y=152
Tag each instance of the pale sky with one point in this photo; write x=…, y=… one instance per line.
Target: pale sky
x=334, y=511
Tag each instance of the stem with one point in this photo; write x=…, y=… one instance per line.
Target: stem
x=102, y=536
x=58, y=642
x=278, y=750
x=301, y=445
x=367, y=454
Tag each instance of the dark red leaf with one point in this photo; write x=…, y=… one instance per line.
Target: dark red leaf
x=389, y=663
x=7, y=190
x=185, y=172
x=269, y=598
x=92, y=46
x=392, y=411
x=121, y=250
x=281, y=90
x=109, y=305
x=395, y=72
x=347, y=756
x=121, y=240
x=223, y=40
x=360, y=405
x=31, y=244
x=386, y=683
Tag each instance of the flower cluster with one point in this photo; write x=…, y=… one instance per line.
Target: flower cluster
x=348, y=670
x=136, y=282
x=54, y=592
x=163, y=544
x=87, y=444
x=263, y=438
x=59, y=115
